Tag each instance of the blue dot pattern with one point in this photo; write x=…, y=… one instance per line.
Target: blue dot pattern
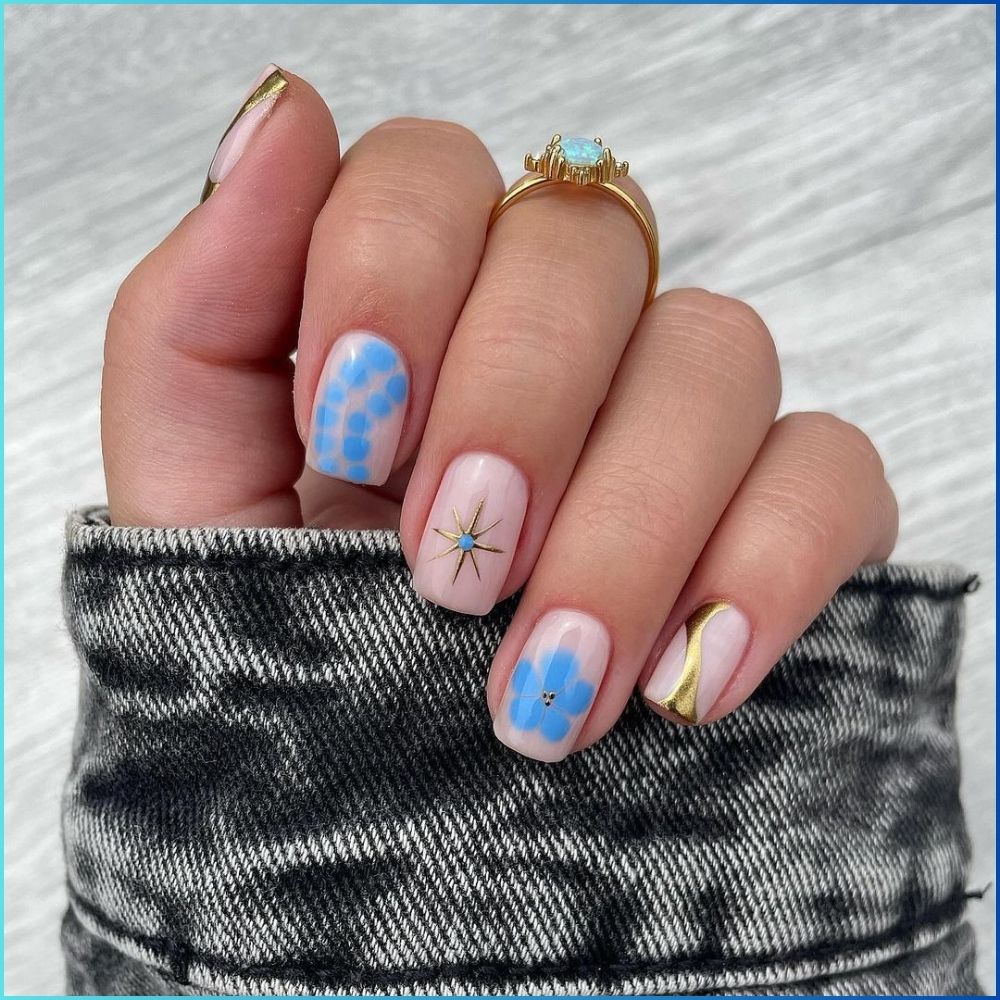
x=356, y=448
x=380, y=404
x=379, y=356
x=395, y=388
x=377, y=368
x=358, y=423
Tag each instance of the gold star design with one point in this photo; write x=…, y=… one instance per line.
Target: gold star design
x=471, y=535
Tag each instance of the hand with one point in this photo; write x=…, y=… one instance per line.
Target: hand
x=502, y=387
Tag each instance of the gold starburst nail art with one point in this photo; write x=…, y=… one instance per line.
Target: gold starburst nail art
x=465, y=540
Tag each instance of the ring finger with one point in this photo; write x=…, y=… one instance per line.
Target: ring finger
x=558, y=293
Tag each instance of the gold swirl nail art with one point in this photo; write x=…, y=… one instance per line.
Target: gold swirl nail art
x=682, y=699
x=266, y=92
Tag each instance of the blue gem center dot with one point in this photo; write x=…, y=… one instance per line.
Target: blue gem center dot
x=466, y=542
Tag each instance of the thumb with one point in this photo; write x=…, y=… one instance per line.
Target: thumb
x=197, y=423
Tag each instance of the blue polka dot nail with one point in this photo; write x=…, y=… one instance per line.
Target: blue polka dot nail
x=358, y=410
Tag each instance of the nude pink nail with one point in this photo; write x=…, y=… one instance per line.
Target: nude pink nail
x=469, y=540
x=254, y=111
x=699, y=661
x=553, y=686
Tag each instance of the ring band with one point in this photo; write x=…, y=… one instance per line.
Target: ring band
x=584, y=162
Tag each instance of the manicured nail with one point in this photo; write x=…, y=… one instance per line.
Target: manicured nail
x=553, y=685
x=358, y=411
x=699, y=661
x=256, y=107
x=468, y=543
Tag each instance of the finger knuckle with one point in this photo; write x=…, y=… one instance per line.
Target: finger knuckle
x=729, y=312
x=844, y=443
x=533, y=362
x=424, y=233
x=427, y=137
x=634, y=510
x=411, y=221
x=807, y=521
x=723, y=333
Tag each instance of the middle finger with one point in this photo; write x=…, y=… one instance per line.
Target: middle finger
x=560, y=288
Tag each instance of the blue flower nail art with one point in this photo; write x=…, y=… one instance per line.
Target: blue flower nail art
x=359, y=409
x=548, y=695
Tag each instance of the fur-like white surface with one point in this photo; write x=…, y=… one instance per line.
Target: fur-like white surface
x=832, y=165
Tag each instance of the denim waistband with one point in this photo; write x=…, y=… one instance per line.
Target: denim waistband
x=285, y=781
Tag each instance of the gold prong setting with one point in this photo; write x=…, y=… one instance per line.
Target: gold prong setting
x=577, y=160
x=585, y=163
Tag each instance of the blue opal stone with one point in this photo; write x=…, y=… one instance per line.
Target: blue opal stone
x=466, y=542
x=380, y=356
x=581, y=152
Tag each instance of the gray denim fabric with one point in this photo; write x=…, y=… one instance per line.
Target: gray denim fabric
x=285, y=781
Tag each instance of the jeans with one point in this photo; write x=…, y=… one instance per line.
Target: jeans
x=284, y=780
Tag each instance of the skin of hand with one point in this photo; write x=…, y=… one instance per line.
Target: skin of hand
x=499, y=394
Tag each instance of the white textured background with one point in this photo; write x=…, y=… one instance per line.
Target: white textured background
x=834, y=166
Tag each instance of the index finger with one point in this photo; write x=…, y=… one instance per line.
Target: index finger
x=393, y=255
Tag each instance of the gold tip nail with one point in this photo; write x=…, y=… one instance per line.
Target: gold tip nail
x=268, y=89
x=682, y=699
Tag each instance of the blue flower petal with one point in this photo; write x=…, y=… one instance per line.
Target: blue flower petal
x=576, y=698
x=329, y=465
x=358, y=473
x=335, y=393
x=379, y=355
x=555, y=725
x=558, y=668
x=526, y=713
x=525, y=680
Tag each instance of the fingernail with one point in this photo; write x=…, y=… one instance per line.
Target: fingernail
x=468, y=544
x=358, y=411
x=256, y=107
x=552, y=688
x=699, y=661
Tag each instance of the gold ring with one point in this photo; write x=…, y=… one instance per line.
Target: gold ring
x=584, y=162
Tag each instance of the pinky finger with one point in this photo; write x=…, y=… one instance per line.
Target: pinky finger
x=813, y=507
